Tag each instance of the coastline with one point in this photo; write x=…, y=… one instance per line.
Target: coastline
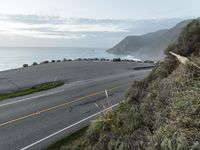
x=117, y=59
x=15, y=57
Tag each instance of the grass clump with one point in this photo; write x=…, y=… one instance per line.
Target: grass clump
x=27, y=91
x=44, y=62
x=34, y=64
x=25, y=65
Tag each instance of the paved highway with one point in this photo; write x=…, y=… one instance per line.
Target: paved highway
x=66, y=71
x=37, y=120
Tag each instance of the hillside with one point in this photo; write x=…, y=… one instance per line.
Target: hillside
x=149, y=46
x=162, y=112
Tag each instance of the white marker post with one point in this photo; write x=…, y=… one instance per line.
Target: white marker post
x=55, y=79
x=106, y=92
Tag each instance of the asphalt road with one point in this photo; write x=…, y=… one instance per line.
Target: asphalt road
x=37, y=120
x=66, y=71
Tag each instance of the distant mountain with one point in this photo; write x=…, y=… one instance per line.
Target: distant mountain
x=149, y=46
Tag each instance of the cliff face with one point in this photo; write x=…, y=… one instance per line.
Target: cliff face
x=162, y=112
x=149, y=46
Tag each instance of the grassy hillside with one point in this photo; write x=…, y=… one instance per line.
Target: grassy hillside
x=162, y=112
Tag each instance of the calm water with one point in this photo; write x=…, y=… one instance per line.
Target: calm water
x=11, y=58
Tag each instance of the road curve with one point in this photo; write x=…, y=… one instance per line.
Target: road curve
x=37, y=120
x=66, y=71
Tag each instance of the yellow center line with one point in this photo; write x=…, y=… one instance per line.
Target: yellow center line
x=58, y=106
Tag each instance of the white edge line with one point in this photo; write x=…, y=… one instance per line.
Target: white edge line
x=87, y=118
x=25, y=99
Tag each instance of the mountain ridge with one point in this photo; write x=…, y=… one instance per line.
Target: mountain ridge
x=151, y=45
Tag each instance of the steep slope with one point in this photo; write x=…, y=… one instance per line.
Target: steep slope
x=162, y=112
x=149, y=46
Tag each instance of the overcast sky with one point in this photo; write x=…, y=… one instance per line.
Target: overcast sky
x=87, y=23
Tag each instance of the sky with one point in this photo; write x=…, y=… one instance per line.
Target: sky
x=87, y=23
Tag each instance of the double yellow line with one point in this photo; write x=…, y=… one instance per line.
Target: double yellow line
x=59, y=106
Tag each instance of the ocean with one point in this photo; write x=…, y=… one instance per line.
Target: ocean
x=15, y=57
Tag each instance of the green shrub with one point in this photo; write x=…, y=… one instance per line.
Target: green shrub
x=45, y=62
x=25, y=65
x=116, y=60
x=35, y=63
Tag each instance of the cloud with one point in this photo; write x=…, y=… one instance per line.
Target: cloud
x=81, y=31
x=56, y=27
